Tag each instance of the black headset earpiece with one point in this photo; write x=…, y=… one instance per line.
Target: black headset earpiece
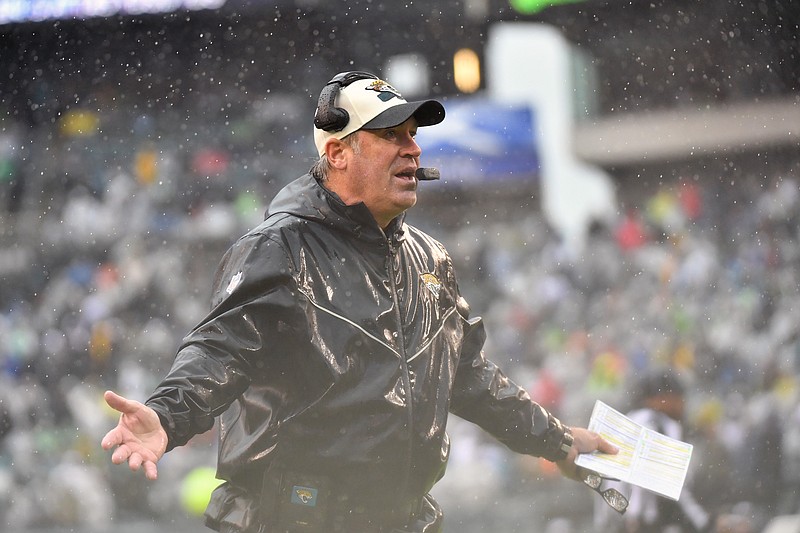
x=328, y=117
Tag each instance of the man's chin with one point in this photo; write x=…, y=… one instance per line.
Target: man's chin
x=406, y=202
x=412, y=201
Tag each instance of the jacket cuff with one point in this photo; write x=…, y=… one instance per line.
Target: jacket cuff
x=557, y=440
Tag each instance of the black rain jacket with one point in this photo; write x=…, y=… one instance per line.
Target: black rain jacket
x=332, y=356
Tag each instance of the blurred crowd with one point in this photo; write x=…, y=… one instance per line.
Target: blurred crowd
x=697, y=277
x=112, y=222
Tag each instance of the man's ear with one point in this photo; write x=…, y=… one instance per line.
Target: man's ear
x=336, y=152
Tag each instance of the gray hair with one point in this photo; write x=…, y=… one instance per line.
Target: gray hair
x=322, y=167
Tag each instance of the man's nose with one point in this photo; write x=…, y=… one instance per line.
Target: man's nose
x=412, y=148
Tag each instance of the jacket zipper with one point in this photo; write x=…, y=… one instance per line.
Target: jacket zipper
x=404, y=364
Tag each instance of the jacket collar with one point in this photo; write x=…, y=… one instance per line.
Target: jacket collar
x=307, y=198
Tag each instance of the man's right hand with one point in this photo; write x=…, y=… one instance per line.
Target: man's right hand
x=138, y=437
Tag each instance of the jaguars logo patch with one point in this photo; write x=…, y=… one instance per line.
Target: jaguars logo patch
x=432, y=283
x=306, y=496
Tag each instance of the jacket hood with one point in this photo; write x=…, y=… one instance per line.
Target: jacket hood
x=306, y=198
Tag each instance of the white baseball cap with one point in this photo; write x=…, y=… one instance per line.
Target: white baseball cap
x=352, y=101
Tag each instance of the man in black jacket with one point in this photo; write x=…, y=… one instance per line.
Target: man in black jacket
x=336, y=347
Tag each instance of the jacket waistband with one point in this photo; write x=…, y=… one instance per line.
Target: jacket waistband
x=301, y=502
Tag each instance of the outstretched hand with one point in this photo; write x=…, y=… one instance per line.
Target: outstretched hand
x=585, y=441
x=139, y=438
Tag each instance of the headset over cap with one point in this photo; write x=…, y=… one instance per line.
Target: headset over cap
x=352, y=101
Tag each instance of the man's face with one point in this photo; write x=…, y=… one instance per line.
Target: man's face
x=381, y=170
x=669, y=403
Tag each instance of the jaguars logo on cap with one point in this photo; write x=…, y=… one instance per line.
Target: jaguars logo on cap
x=385, y=91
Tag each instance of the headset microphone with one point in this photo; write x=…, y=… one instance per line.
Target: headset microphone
x=427, y=174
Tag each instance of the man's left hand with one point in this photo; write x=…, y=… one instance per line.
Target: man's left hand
x=585, y=441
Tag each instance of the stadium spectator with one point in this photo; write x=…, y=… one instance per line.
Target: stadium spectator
x=660, y=406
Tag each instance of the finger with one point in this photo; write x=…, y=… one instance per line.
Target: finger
x=150, y=470
x=606, y=447
x=135, y=461
x=111, y=439
x=120, y=403
x=121, y=454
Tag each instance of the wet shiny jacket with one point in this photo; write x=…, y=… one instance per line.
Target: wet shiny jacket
x=337, y=349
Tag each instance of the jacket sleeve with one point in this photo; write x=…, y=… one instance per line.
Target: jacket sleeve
x=485, y=396
x=251, y=333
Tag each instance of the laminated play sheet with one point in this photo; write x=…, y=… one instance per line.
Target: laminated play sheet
x=646, y=457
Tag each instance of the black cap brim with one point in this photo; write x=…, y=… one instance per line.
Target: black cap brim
x=427, y=113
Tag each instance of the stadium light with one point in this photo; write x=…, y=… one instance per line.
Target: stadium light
x=467, y=70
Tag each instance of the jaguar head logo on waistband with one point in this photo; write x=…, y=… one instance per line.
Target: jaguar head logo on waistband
x=306, y=496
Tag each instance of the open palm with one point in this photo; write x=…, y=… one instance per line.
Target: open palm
x=139, y=438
